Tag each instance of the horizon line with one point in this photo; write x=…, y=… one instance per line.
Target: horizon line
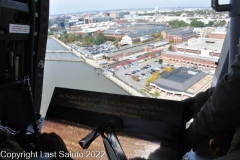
x=124, y=9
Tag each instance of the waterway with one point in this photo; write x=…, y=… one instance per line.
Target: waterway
x=75, y=75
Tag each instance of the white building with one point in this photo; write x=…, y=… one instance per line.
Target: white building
x=203, y=32
x=130, y=38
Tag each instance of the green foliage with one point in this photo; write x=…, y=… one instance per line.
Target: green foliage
x=99, y=39
x=110, y=39
x=160, y=61
x=88, y=40
x=178, y=24
x=157, y=36
x=115, y=43
x=170, y=48
x=155, y=94
x=146, y=14
x=196, y=23
x=220, y=23
x=210, y=24
x=173, y=68
x=50, y=33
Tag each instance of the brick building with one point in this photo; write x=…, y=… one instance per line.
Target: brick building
x=217, y=35
x=166, y=33
x=183, y=36
x=190, y=60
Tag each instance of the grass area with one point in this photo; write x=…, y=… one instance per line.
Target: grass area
x=147, y=90
x=155, y=94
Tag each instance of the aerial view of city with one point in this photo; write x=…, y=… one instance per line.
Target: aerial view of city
x=159, y=52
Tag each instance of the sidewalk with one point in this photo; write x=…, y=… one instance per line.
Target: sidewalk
x=124, y=86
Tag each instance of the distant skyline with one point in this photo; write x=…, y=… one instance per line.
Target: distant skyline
x=74, y=6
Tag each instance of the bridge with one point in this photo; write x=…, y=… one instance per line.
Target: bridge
x=58, y=51
x=72, y=59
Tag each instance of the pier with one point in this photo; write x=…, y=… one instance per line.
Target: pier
x=72, y=59
x=57, y=51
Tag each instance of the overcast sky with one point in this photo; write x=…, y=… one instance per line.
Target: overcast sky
x=72, y=6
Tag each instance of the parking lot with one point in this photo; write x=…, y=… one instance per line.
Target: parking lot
x=94, y=50
x=141, y=70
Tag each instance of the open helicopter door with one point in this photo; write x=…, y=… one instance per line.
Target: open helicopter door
x=23, y=37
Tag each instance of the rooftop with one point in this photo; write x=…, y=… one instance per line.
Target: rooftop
x=175, y=30
x=115, y=32
x=137, y=48
x=183, y=80
x=192, y=55
x=204, y=44
x=182, y=32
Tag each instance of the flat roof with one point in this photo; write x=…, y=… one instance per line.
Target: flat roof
x=181, y=80
x=204, y=44
x=196, y=87
x=136, y=48
x=191, y=55
x=219, y=32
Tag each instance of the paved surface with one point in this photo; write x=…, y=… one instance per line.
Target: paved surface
x=124, y=86
x=128, y=78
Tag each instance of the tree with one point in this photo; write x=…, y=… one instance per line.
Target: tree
x=153, y=77
x=210, y=24
x=80, y=38
x=115, y=43
x=167, y=69
x=100, y=39
x=196, y=23
x=160, y=61
x=147, y=82
x=71, y=38
x=170, y=48
x=177, y=24
x=173, y=68
x=220, y=23
x=65, y=36
x=135, y=78
x=64, y=32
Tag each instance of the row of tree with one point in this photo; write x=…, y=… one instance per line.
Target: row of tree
x=84, y=41
x=196, y=23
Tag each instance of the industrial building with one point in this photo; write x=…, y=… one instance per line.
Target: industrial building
x=217, y=35
x=181, y=36
x=143, y=35
x=88, y=29
x=190, y=60
x=115, y=33
x=181, y=83
x=207, y=47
